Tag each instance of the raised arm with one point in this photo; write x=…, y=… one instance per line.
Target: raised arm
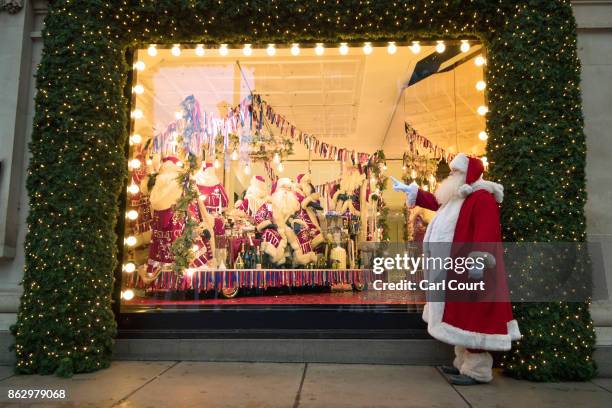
x=416, y=196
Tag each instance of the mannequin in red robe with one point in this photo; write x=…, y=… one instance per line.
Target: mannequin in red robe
x=213, y=194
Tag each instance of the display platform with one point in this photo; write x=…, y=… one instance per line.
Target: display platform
x=214, y=279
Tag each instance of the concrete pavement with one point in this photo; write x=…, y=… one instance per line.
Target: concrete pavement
x=132, y=384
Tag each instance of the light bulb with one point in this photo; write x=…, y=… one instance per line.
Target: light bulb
x=440, y=47
x=132, y=215
x=128, y=294
x=189, y=272
x=247, y=50
x=280, y=167
x=367, y=48
x=129, y=267
x=136, y=138
x=479, y=61
x=481, y=85
x=384, y=167
x=344, y=49
x=200, y=50
x=484, y=160
x=425, y=187
x=482, y=110
x=295, y=50
x=137, y=114
x=465, y=46
x=404, y=168
x=135, y=163
x=133, y=189
x=152, y=50
x=138, y=89
x=271, y=50
x=234, y=155
x=276, y=158
x=178, y=115
x=483, y=135
x=131, y=240
x=176, y=50
x=223, y=51
x=391, y=48
x=149, y=162
x=179, y=163
x=319, y=49
x=413, y=174
x=415, y=47
x=195, y=248
x=217, y=164
x=139, y=66
x=247, y=169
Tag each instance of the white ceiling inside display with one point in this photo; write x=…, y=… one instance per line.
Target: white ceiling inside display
x=353, y=101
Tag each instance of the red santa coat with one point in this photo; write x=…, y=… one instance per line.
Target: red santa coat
x=472, y=218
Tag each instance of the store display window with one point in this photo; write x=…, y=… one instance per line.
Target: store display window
x=258, y=175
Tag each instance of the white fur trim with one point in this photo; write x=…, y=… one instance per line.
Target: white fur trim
x=284, y=182
x=494, y=188
x=276, y=253
x=460, y=163
x=454, y=335
x=513, y=330
x=465, y=190
x=432, y=314
x=304, y=258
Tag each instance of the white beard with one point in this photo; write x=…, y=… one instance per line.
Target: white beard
x=284, y=204
x=256, y=197
x=351, y=181
x=207, y=178
x=449, y=188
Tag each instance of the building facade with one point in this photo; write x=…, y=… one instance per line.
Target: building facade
x=20, y=51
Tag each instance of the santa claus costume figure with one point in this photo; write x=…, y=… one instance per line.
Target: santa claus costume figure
x=285, y=209
x=254, y=197
x=467, y=213
x=213, y=194
x=350, y=199
x=273, y=237
x=347, y=198
x=309, y=235
x=167, y=225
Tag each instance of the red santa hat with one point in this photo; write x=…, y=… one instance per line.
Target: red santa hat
x=305, y=177
x=471, y=166
x=172, y=159
x=207, y=165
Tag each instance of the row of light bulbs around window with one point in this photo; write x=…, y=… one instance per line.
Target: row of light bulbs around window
x=319, y=49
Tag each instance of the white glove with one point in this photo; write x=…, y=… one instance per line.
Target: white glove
x=410, y=190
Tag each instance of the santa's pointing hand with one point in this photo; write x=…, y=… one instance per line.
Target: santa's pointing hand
x=410, y=190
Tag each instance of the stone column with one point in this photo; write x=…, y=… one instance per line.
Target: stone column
x=20, y=49
x=594, y=20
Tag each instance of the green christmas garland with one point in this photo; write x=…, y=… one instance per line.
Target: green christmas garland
x=78, y=166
